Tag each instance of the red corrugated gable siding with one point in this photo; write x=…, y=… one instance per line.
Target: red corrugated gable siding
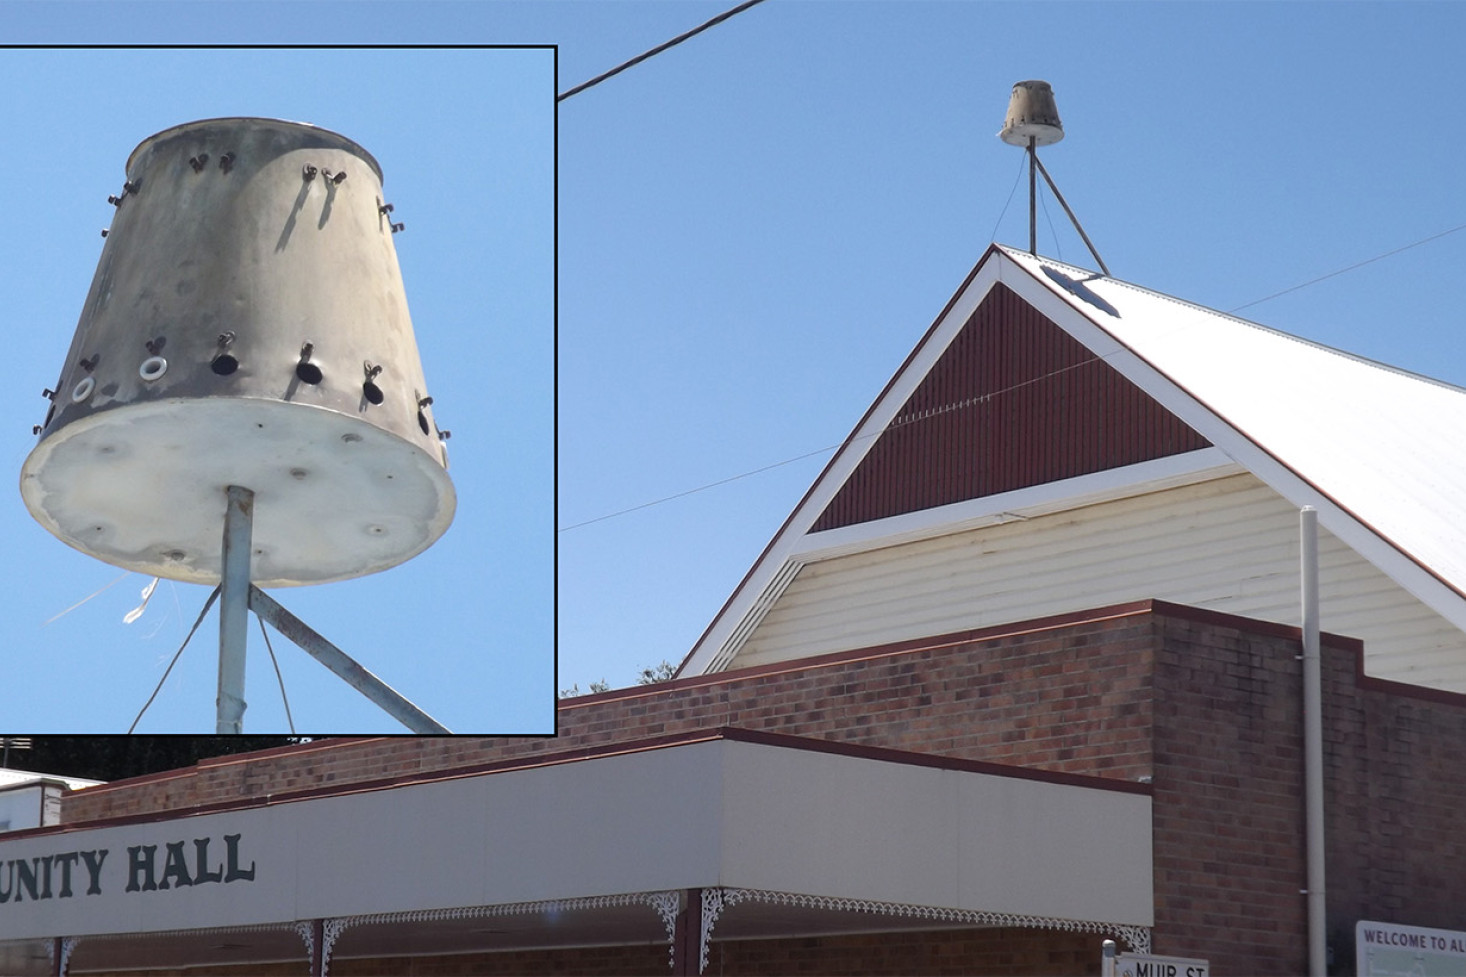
x=1014, y=401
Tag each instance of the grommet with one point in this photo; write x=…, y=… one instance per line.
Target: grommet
x=369, y=388
x=83, y=390
x=153, y=367
x=307, y=371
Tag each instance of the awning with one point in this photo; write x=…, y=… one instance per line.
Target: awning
x=814, y=836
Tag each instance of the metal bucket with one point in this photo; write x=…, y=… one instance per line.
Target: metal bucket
x=247, y=325
x=1032, y=114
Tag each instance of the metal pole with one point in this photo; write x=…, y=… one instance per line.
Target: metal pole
x=1032, y=199
x=342, y=664
x=1313, y=744
x=234, y=609
x=1107, y=959
x=1072, y=219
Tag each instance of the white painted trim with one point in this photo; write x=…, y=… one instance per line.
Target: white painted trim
x=1143, y=478
x=751, y=620
x=708, y=654
x=716, y=901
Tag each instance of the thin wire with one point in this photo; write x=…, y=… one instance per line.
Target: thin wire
x=1011, y=190
x=984, y=397
x=278, y=677
x=656, y=50
x=207, y=604
x=1358, y=264
x=703, y=488
x=902, y=422
x=99, y=590
x=1055, y=234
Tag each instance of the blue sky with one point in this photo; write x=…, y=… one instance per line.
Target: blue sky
x=753, y=230
x=757, y=226
x=466, y=142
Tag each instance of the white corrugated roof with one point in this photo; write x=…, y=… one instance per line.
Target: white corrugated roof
x=18, y=778
x=1370, y=445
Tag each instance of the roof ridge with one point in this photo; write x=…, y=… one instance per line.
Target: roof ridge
x=1091, y=275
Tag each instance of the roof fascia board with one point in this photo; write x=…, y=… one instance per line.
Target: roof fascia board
x=1085, y=326
x=754, y=590
x=1172, y=471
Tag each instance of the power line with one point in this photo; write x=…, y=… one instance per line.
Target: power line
x=1357, y=264
x=656, y=50
x=704, y=488
x=925, y=415
x=969, y=402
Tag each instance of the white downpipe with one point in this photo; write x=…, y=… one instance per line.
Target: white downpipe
x=1313, y=743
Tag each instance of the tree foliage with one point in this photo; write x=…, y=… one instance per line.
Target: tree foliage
x=660, y=672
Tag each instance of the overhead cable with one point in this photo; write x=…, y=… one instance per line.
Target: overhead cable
x=969, y=402
x=656, y=50
x=923, y=416
x=1357, y=264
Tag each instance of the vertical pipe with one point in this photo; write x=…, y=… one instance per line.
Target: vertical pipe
x=234, y=610
x=1313, y=743
x=1032, y=198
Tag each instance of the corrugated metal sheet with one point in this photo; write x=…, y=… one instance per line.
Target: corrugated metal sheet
x=1014, y=401
x=1387, y=446
x=1229, y=545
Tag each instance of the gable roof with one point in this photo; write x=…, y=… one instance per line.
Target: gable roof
x=1013, y=401
x=1378, y=451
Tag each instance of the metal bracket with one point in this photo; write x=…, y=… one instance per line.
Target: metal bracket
x=356, y=675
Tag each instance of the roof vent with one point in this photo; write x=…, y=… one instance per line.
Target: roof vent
x=1032, y=115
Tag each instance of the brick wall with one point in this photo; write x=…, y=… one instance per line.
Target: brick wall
x=1073, y=695
x=1207, y=705
x=1395, y=794
x=1228, y=802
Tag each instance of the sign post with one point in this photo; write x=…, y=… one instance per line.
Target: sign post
x=1150, y=965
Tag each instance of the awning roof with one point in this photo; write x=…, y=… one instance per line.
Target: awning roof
x=725, y=808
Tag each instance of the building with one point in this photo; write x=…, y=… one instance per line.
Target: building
x=1019, y=674
x=33, y=800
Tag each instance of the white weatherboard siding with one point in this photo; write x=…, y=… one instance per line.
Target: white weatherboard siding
x=1229, y=545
